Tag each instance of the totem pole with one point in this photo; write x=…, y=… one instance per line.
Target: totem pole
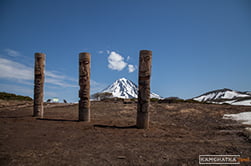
x=38, y=109
x=145, y=65
x=84, y=83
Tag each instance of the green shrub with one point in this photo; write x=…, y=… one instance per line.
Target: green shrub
x=171, y=100
x=11, y=96
x=191, y=101
x=154, y=99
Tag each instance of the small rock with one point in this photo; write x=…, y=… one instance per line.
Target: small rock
x=121, y=157
x=165, y=157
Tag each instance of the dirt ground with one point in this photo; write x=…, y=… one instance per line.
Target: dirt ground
x=178, y=134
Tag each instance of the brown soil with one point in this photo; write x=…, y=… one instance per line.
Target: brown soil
x=178, y=134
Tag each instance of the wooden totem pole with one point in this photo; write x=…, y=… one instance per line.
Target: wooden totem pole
x=84, y=83
x=145, y=65
x=38, y=109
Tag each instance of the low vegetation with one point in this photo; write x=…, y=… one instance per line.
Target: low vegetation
x=11, y=96
x=108, y=97
x=177, y=100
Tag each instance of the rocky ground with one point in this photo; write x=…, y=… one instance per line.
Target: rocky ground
x=178, y=134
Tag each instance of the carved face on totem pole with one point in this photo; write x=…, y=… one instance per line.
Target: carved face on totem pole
x=38, y=65
x=144, y=76
x=145, y=65
x=84, y=74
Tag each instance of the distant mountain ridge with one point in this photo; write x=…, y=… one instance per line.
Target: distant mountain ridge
x=225, y=95
x=124, y=88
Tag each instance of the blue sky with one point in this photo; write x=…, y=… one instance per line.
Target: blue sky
x=198, y=45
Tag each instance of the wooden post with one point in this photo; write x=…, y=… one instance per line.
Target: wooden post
x=145, y=65
x=84, y=83
x=38, y=109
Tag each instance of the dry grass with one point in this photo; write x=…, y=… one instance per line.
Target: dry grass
x=178, y=134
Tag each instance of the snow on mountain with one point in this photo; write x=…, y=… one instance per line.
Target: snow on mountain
x=220, y=94
x=124, y=88
x=154, y=95
x=249, y=93
x=244, y=102
x=228, y=96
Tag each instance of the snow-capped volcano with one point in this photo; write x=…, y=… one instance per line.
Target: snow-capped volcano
x=124, y=88
x=225, y=96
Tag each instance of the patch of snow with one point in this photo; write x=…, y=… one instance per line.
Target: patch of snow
x=228, y=102
x=205, y=97
x=220, y=95
x=224, y=102
x=154, y=95
x=230, y=97
x=234, y=102
x=244, y=117
x=233, y=94
x=245, y=102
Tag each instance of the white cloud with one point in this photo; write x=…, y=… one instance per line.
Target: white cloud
x=59, y=82
x=59, y=76
x=54, y=75
x=116, y=61
x=131, y=68
x=20, y=80
x=100, y=52
x=14, y=70
x=128, y=58
x=23, y=74
x=12, y=53
x=56, y=78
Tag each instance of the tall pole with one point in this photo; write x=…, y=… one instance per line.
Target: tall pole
x=145, y=65
x=84, y=83
x=38, y=109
